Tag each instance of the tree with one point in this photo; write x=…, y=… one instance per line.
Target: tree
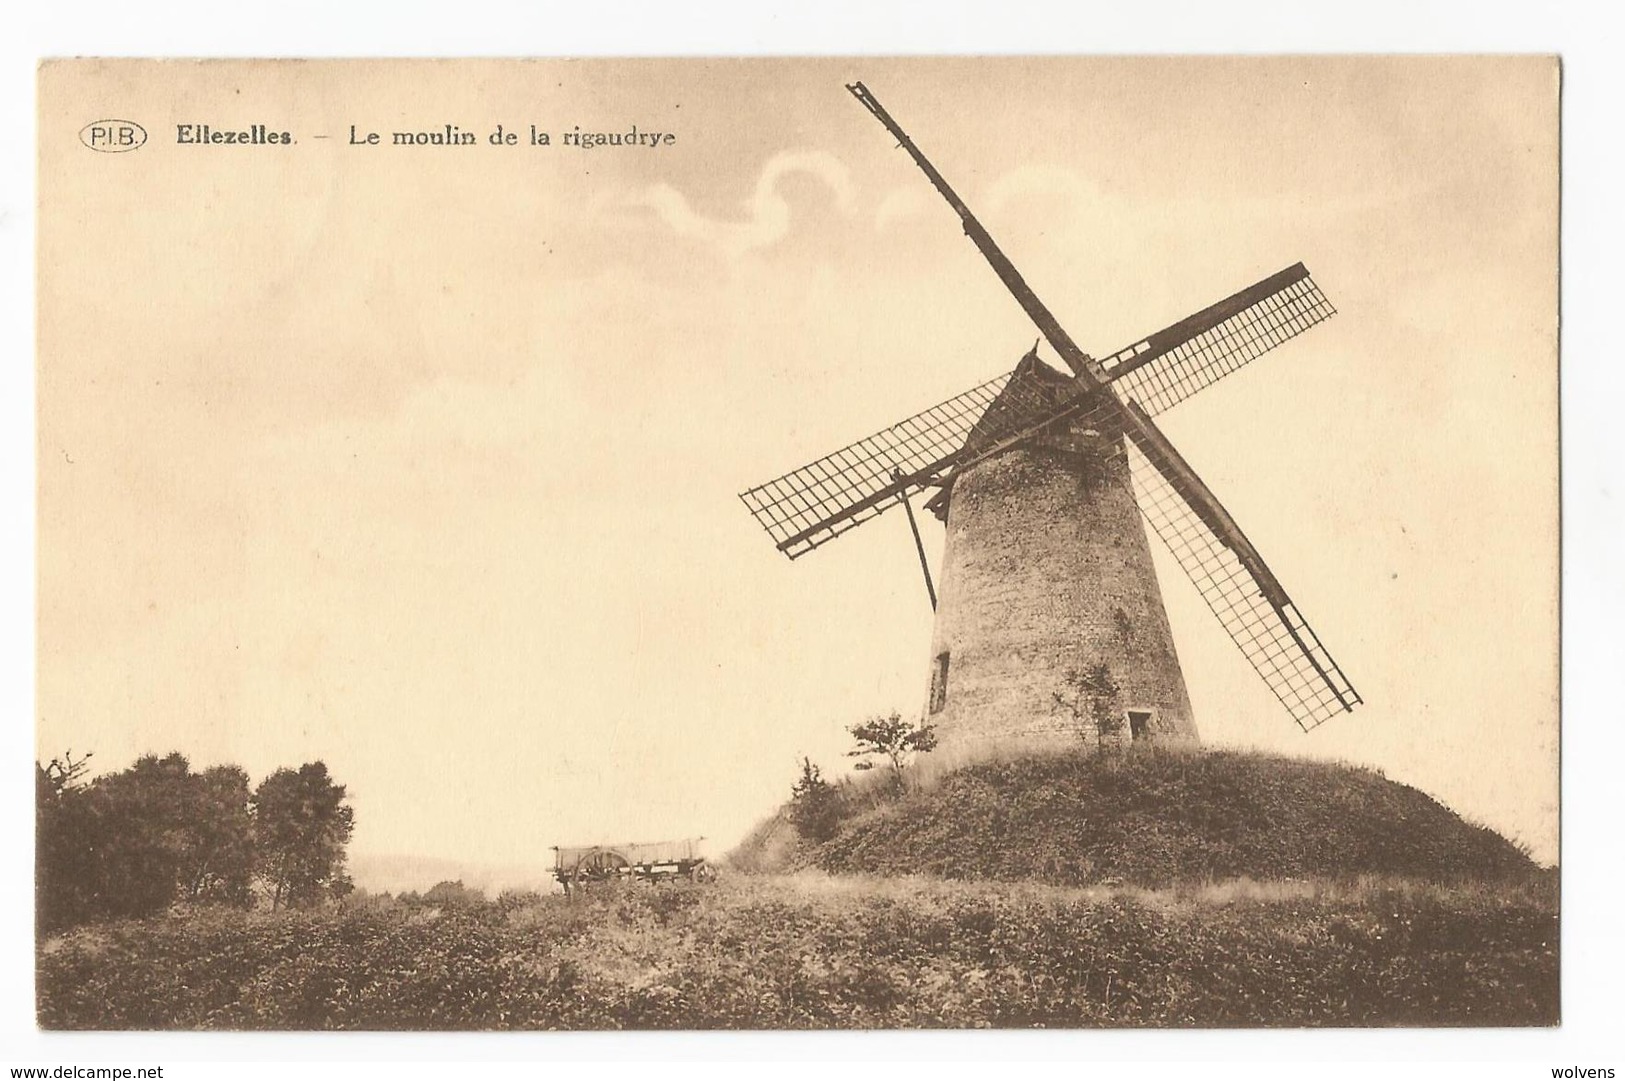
x=64, y=858
x=217, y=862
x=132, y=843
x=64, y=773
x=301, y=825
x=1090, y=695
x=814, y=809
x=893, y=739
x=144, y=819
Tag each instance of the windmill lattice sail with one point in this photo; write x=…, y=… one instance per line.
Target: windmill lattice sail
x=813, y=505
x=1167, y=367
x=1235, y=583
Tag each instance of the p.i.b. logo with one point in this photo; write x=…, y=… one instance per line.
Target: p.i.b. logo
x=113, y=136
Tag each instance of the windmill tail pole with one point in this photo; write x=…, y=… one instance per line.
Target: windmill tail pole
x=919, y=545
x=1076, y=359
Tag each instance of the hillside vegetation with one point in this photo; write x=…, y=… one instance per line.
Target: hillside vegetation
x=810, y=951
x=1142, y=889
x=1143, y=817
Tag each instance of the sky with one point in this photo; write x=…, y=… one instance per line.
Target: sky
x=423, y=461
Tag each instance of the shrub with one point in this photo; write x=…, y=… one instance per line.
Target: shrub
x=814, y=809
x=454, y=895
x=1090, y=695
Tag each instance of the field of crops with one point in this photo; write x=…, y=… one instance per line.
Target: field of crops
x=810, y=951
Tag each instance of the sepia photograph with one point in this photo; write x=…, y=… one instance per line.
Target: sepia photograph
x=799, y=543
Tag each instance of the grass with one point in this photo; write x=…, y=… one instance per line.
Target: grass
x=1146, y=817
x=816, y=951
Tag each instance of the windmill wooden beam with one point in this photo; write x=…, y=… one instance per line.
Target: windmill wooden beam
x=1162, y=456
x=1081, y=363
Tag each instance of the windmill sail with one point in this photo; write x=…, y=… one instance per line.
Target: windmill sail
x=1233, y=579
x=1169, y=366
x=815, y=504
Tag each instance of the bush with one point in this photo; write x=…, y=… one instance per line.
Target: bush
x=454, y=895
x=814, y=809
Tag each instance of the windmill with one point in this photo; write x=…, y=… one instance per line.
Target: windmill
x=1042, y=481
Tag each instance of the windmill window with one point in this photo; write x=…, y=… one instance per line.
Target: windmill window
x=1139, y=723
x=939, y=683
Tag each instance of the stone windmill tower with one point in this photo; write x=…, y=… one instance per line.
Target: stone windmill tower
x=1045, y=483
x=1047, y=584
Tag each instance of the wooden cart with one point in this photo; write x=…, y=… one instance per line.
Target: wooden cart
x=576, y=866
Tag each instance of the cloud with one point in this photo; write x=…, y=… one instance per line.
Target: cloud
x=1043, y=182
x=899, y=205
x=768, y=220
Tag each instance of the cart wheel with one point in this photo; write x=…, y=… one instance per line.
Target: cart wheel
x=704, y=873
x=600, y=865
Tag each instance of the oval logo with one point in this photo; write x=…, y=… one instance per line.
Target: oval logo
x=113, y=136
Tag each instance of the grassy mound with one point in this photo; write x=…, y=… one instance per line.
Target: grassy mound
x=1147, y=818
